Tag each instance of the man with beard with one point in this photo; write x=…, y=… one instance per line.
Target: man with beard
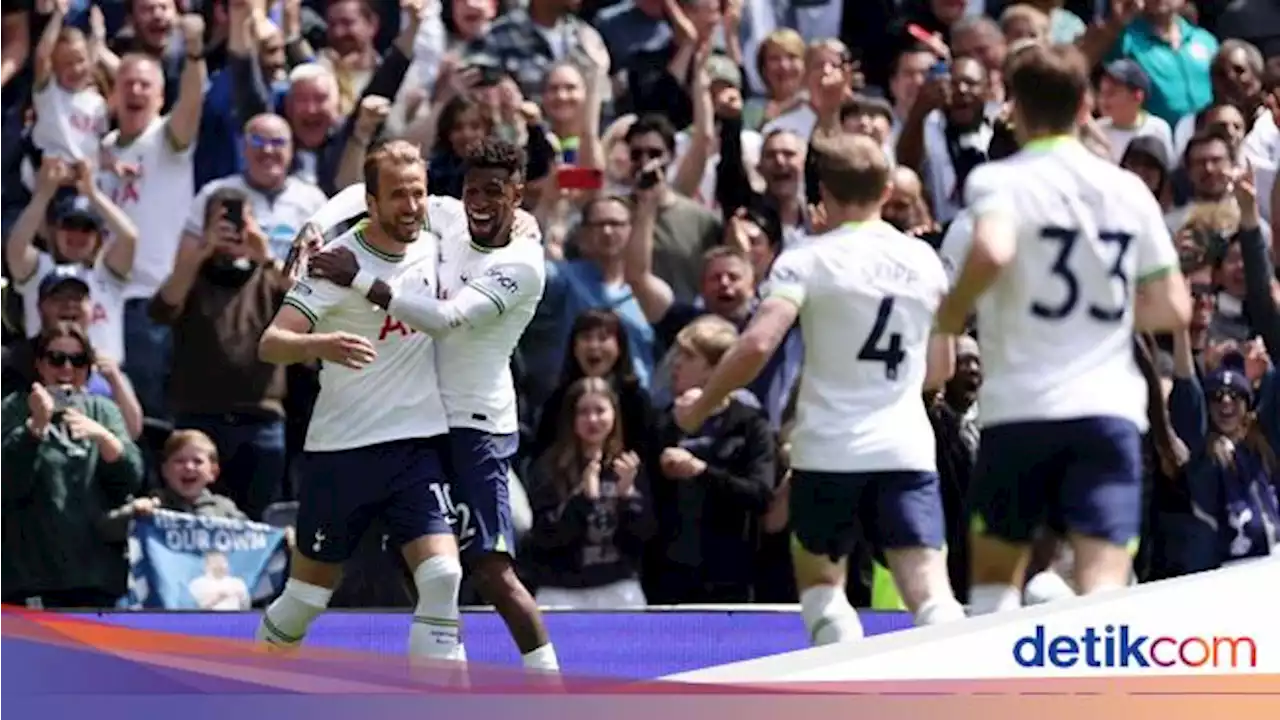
x=375, y=446
x=491, y=278
x=222, y=293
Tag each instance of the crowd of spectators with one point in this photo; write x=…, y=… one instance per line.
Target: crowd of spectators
x=666, y=144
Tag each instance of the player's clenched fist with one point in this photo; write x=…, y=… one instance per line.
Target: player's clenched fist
x=348, y=350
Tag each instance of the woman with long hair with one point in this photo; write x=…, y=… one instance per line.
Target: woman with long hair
x=461, y=123
x=591, y=516
x=1232, y=469
x=598, y=348
x=68, y=459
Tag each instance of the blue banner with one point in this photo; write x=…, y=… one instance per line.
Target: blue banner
x=179, y=561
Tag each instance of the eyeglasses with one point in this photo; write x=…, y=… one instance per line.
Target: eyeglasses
x=262, y=142
x=1201, y=290
x=607, y=223
x=639, y=155
x=61, y=359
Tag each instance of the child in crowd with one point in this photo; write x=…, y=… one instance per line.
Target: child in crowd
x=71, y=116
x=189, y=465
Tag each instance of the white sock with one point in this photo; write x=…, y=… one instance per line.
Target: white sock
x=543, y=658
x=828, y=616
x=435, y=631
x=286, y=620
x=936, y=611
x=988, y=599
x=1105, y=589
x=1046, y=587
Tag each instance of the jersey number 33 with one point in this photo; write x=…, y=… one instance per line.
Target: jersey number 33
x=1062, y=269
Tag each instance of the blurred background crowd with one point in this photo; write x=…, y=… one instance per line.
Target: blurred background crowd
x=666, y=144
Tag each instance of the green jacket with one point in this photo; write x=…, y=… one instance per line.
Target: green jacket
x=55, y=492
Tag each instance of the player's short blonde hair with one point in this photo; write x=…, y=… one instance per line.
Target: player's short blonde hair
x=708, y=337
x=852, y=169
x=1048, y=85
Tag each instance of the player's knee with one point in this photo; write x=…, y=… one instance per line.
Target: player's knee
x=285, y=622
x=437, y=580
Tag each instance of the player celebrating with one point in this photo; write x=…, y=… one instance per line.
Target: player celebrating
x=1069, y=253
x=862, y=451
x=376, y=439
x=491, y=280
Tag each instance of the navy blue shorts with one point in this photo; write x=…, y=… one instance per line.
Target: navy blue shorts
x=342, y=492
x=1082, y=476
x=892, y=510
x=479, y=464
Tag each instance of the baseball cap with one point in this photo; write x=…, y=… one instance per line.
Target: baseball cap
x=721, y=69
x=63, y=275
x=1128, y=73
x=76, y=211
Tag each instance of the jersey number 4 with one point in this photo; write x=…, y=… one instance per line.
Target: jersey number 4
x=1061, y=268
x=890, y=353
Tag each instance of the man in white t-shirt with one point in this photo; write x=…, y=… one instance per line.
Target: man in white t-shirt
x=81, y=226
x=491, y=277
x=862, y=453
x=147, y=171
x=1069, y=257
x=282, y=203
x=376, y=442
x=1121, y=95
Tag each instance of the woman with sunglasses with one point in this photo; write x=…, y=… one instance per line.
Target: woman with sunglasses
x=1231, y=426
x=68, y=460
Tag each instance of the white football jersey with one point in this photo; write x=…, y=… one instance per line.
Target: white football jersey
x=867, y=296
x=155, y=196
x=475, y=361
x=1057, y=327
x=397, y=396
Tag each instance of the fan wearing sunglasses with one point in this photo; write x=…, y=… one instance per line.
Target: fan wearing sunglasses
x=68, y=459
x=65, y=295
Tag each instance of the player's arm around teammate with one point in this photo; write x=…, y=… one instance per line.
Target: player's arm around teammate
x=481, y=301
x=356, y=470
